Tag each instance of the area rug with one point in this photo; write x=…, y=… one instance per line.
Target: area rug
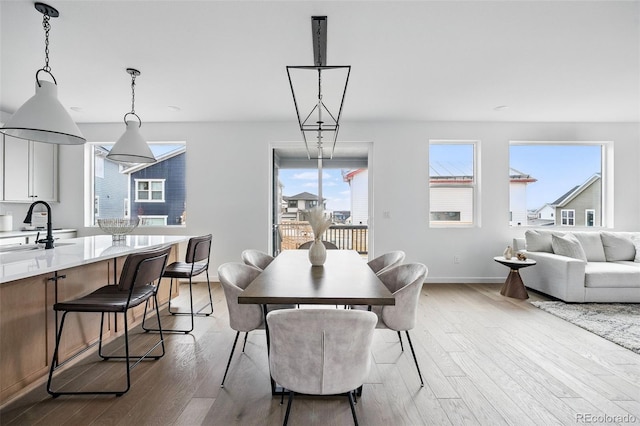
x=617, y=322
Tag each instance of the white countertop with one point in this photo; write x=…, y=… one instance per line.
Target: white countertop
x=75, y=252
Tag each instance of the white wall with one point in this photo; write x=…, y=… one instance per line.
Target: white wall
x=228, y=185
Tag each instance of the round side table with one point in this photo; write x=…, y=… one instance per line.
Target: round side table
x=513, y=285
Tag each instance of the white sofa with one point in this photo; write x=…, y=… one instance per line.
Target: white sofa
x=596, y=266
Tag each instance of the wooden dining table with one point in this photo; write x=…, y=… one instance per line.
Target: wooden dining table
x=344, y=279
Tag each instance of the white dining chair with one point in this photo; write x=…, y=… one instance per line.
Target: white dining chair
x=405, y=282
x=386, y=261
x=320, y=351
x=256, y=258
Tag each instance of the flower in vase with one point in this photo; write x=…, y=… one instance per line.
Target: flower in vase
x=319, y=223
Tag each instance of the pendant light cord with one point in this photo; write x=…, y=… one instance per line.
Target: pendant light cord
x=133, y=94
x=47, y=27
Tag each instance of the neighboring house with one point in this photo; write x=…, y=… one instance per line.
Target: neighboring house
x=582, y=205
x=358, y=180
x=518, y=182
x=297, y=206
x=453, y=200
x=341, y=216
x=158, y=195
x=111, y=197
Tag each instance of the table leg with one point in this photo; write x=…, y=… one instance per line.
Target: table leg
x=514, y=287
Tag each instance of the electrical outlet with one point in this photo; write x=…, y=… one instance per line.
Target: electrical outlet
x=456, y=259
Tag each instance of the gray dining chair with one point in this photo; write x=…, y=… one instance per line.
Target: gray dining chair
x=256, y=258
x=320, y=351
x=405, y=282
x=234, y=278
x=386, y=261
x=327, y=244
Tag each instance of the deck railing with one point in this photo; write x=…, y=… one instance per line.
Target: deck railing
x=290, y=235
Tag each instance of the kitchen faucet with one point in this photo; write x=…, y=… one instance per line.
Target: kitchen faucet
x=48, y=242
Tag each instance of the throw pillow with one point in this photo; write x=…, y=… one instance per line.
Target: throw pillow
x=617, y=247
x=538, y=240
x=592, y=245
x=569, y=246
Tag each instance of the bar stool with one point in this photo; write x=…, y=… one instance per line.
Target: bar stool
x=139, y=280
x=196, y=262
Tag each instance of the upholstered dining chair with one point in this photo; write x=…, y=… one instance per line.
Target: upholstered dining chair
x=256, y=258
x=139, y=279
x=195, y=263
x=405, y=282
x=234, y=278
x=327, y=244
x=386, y=261
x=320, y=351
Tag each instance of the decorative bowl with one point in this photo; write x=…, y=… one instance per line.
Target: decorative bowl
x=118, y=227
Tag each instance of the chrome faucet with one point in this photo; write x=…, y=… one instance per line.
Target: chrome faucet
x=48, y=242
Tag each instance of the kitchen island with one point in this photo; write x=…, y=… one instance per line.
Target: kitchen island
x=33, y=279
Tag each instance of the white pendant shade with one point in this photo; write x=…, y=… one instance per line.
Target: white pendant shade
x=43, y=119
x=131, y=147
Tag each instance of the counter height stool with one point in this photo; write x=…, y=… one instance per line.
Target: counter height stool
x=196, y=262
x=141, y=274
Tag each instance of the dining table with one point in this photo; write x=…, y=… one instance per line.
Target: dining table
x=344, y=279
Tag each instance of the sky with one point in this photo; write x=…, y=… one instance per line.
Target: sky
x=334, y=189
x=558, y=168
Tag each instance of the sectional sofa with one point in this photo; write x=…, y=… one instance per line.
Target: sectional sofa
x=598, y=266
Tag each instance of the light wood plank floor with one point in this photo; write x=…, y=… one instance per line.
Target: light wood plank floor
x=486, y=360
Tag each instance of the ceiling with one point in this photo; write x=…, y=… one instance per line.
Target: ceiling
x=415, y=60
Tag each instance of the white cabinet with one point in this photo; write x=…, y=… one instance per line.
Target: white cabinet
x=30, y=170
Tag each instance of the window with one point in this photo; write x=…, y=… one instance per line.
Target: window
x=568, y=217
x=590, y=217
x=293, y=203
x=155, y=192
x=453, y=183
x=150, y=190
x=564, y=181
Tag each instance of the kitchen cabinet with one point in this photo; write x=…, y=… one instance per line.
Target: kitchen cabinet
x=30, y=170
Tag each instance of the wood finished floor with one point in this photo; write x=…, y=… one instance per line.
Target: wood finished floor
x=486, y=360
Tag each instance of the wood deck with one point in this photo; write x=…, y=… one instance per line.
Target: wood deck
x=486, y=360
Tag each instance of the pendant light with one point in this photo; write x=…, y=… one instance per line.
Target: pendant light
x=307, y=81
x=132, y=147
x=43, y=118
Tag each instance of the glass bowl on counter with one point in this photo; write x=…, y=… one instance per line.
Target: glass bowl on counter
x=118, y=227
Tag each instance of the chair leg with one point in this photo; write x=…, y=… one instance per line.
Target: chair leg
x=414, y=358
x=286, y=416
x=245, y=340
x=210, y=300
x=171, y=330
x=353, y=408
x=400, y=338
x=230, y=356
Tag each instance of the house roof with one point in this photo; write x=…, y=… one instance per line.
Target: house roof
x=301, y=196
x=575, y=191
x=159, y=159
x=458, y=172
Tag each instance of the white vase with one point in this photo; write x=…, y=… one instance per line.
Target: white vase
x=508, y=253
x=317, y=253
